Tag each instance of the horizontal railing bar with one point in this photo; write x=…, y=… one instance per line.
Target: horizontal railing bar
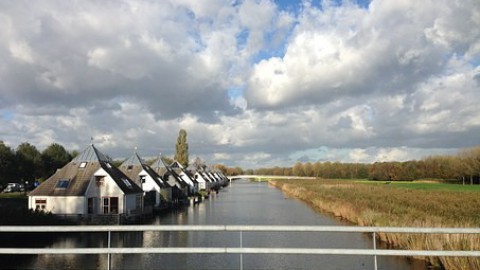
x=244, y=228
x=231, y=250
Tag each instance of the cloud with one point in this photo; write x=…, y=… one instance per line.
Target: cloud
x=254, y=82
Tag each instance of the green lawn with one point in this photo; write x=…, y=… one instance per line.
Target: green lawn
x=17, y=195
x=425, y=186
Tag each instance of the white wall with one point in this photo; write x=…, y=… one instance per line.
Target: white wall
x=107, y=189
x=67, y=205
x=202, y=184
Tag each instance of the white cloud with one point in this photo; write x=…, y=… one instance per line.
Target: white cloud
x=22, y=51
x=394, y=80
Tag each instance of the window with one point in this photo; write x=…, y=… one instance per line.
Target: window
x=114, y=205
x=129, y=167
x=143, y=178
x=83, y=165
x=110, y=205
x=106, y=204
x=90, y=204
x=40, y=204
x=62, y=184
x=99, y=179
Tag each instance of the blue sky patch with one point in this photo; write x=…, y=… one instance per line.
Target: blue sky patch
x=7, y=115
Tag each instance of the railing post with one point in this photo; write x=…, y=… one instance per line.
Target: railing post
x=241, y=254
x=108, y=255
x=374, y=248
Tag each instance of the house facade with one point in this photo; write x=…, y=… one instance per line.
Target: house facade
x=180, y=189
x=156, y=191
x=88, y=185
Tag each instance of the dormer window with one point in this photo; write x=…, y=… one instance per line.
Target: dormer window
x=99, y=179
x=83, y=165
x=62, y=184
x=109, y=165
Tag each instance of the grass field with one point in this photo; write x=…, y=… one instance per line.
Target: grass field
x=403, y=204
x=16, y=195
x=424, y=185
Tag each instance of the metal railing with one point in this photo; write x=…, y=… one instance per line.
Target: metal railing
x=239, y=250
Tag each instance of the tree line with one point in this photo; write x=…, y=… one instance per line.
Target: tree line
x=465, y=166
x=27, y=163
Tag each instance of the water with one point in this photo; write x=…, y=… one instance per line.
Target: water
x=243, y=203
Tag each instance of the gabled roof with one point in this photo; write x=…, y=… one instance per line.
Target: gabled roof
x=121, y=179
x=134, y=165
x=91, y=153
x=78, y=174
x=179, y=169
x=176, y=165
x=205, y=176
x=159, y=166
x=165, y=171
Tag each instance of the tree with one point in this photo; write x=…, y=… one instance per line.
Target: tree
x=7, y=164
x=168, y=161
x=199, y=164
x=181, y=148
x=221, y=168
x=54, y=157
x=297, y=169
x=29, y=162
x=308, y=169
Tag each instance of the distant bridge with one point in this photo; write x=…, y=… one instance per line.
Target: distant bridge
x=266, y=177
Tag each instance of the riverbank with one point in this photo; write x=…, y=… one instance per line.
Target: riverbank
x=368, y=204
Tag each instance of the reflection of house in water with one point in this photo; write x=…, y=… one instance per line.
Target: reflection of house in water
x=89, y=187
x=157, y=193
x=87, y=261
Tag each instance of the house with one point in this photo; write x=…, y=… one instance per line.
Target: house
x=215, y=181
x=208, y=178
x=157, y=193
x=186, y=177
x=179, y=187
x=221, y=178
x=88, y=186
x=203, y=184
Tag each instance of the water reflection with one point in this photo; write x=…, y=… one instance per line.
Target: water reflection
x=242, y=203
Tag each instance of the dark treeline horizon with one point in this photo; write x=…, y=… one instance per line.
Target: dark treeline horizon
x=463, y=166
x=27, y=163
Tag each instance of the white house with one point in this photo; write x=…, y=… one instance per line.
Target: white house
x=157, y=192
x=88, y=185
x=170, y=177
x=203, y=184
x=185, y=176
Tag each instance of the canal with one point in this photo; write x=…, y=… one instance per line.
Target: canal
x=242, y=203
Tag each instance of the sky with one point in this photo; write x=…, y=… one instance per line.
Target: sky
x=255, y=83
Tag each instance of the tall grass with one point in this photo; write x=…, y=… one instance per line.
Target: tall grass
x=386, y=205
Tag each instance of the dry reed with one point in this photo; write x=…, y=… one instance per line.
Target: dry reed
x=386, y=205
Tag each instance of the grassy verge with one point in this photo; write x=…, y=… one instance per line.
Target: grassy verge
x=13, y=195
x=399, y=204
x=420, y=185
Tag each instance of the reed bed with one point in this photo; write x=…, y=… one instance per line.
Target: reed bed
x=387, y=205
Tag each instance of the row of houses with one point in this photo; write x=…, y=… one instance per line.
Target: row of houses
x=91, y=187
